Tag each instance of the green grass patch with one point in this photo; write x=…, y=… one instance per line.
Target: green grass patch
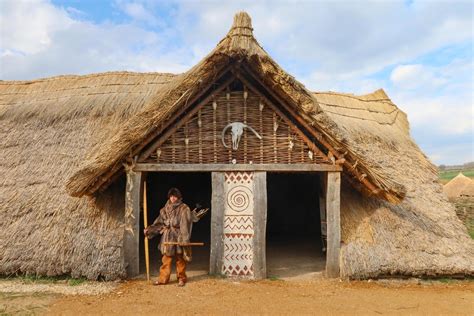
x=447, y=175
x=74, y=282
x=274, y=278
x=446, y=280
x=30, y=278
x=37, y=279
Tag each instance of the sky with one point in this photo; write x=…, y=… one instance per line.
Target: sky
x=419, y=52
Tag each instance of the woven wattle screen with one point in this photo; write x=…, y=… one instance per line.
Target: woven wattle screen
x=199, y=140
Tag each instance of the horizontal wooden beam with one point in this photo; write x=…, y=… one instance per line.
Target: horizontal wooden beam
x=235, y=167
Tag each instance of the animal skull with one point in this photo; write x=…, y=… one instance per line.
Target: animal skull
x=237, y=129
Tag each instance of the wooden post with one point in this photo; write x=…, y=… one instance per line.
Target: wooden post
x=145, y=224
x=132, y=223
x=260, y=224
x=333, y=206
x=217, y=223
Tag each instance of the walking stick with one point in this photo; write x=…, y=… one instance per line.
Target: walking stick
x=145, y=222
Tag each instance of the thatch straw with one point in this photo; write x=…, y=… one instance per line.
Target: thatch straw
x=468, y=190
x=52, y=127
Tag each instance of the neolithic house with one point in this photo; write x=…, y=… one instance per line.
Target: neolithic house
x=278, y=165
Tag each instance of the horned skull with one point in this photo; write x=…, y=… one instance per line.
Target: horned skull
x=237, y=129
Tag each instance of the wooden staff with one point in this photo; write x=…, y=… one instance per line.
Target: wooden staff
x=145, y=222
x=183, y=244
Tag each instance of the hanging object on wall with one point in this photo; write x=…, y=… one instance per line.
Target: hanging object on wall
x=237, y=129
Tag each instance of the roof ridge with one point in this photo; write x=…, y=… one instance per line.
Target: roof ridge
x=85, y=76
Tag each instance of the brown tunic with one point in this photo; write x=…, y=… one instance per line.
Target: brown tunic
x=174, y=225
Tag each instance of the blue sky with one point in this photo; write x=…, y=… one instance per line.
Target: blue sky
x=419, y=52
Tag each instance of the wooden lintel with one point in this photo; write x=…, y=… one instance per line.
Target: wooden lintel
x=236, y=167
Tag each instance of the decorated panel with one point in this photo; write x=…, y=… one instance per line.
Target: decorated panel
x=238, y=224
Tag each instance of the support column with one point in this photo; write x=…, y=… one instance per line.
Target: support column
x=132, y=223
x=217, y=223
x=333, y=209
x=260, y=225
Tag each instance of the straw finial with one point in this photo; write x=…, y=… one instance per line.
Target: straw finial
x=242, y=24
x=242, y=19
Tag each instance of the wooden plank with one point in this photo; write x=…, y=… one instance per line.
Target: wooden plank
x=333, y=209
x=131, y=232
x=217, y=223
x=235, y=167
x=260, y=224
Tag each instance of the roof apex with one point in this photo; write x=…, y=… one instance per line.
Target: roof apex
x=242, y=24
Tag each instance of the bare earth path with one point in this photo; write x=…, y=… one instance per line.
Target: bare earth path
x=204, y=296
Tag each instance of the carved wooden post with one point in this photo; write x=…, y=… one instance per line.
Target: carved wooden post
x=333, y=206
x=132, y=223
x=217, y=223
x=260, y=225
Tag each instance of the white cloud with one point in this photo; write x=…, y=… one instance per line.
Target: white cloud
x=437, y=98
x=60, y=44
x=26, y=27
x=450, y=154
x=137, y=11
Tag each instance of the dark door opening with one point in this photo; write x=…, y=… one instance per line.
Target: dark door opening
x=294, y=243
x=196, y=188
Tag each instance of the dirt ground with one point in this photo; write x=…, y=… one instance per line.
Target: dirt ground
x=204, y=295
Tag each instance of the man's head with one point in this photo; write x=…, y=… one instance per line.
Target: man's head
x=174, y=195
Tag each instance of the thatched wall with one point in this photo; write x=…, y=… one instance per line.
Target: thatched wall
x=47, y=127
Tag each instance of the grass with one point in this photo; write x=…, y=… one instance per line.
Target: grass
x=446, y=175
x=37, y=279
x=274, y=278
x=74, y=282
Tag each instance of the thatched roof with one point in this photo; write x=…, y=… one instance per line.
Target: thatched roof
x=459, y=185
x=238, y=46
x=47, y=127
x=468, y=190
x=78, y=127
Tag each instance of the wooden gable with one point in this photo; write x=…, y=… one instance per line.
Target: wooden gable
x=270, y=136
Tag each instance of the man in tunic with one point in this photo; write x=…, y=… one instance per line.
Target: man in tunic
x=174, y=224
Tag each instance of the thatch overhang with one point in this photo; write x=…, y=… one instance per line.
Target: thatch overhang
x=238, y=52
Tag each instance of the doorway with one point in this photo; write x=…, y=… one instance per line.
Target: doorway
x=196, y=189
x=294, y=241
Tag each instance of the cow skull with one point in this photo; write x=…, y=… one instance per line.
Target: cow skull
x=237, y=129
